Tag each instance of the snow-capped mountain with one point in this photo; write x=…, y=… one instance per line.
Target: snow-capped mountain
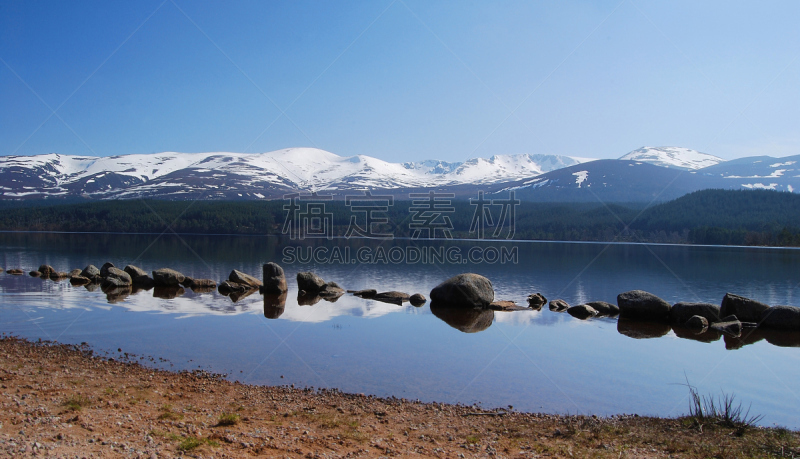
x=673, y=157
x=257, y=175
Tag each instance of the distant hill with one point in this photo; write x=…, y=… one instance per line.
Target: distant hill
x=738, y=217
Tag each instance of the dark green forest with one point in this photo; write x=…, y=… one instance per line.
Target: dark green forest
x=733, y=217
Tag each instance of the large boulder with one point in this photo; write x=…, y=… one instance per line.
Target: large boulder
x=467, y=290
x=744, y=309
x=680, y=313
x=166, y=277
x=781, y=318
x=274, y=279
x=135, y=272
x=245, y=279
x=641, y=305
x=603, y=308
x=309, y=282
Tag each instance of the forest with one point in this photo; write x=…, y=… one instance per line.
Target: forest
x=715, y=217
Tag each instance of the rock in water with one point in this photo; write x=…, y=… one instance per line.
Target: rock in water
x=74, y=273
x=417, y=299
x=744, y=309
x=104, y=269
x=730, y=326
x=245, y=279
x=681, y=312
x=641, y=305
x=166, y=277
x=274, y=279
x=366, y=293
x=696, y=323
x=781, y=318
x=582, y=311
x=91, y=272
x=309, y=282
x=536, y=301
x=603, y=308
x=467, y=290
x=559, y=305
x=116, y=277
x=46, y=270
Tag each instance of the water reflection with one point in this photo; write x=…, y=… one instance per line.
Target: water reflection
x=274, y=305
x=467, y=320
x=640, y=329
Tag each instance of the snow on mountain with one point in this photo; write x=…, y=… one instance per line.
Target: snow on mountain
x=244, y=175
x=673, y=157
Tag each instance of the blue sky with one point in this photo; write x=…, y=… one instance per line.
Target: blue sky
x=400, y=80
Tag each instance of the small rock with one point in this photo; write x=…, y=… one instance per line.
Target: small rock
x=697, y=323
x=536, y=301
x=559, y=305
x=417, y=299
x=582, y=311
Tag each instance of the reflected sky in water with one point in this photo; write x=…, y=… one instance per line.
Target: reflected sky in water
x=533, y=360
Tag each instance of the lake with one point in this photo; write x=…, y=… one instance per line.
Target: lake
x=539, y=361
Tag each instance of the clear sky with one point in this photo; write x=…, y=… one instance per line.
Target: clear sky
x=400, y=79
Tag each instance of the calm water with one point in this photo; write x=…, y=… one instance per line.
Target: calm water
x=533, y=360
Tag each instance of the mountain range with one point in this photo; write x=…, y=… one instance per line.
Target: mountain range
x=645, y=174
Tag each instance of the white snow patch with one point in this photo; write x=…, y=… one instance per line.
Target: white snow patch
x=580, y=177
x=678, y=157
x=787, y=163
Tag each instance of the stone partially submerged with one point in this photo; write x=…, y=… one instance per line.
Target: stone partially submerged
x=641, y=305
x=166, y=277
x=274, y=279
x=744, y=309
x=680, y=313
x=467, y=290
x=781, y=318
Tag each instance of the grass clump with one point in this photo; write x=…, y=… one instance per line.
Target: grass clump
x=76, y=402
x=721, y=410
x=228, y=419
x=168, y=414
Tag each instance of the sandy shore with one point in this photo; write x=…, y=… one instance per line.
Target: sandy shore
x=64, y=401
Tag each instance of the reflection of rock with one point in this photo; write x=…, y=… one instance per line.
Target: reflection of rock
x=582, y=311
x=603, y=308
x=168, y=293
x=730, y=326
x=705, y=336
x=642, y=329
x=228, y=287
x=782, y=338
x=466, y=290
x=682, y=312
x=79, y=280
x=696, y=323
x=392, y=297
x=200, y=289
x=15, y=272
x=507, y=306
x=417, y=299
x=559, y=305
x=203, y=284
x=307, y=299
x=536, y=301
x=309, y=282
x=236, y=296
x=58, y=276
x=274, y=279
x=781, y=318
x=641, y=305
x=136, y=288
x=750, y=336
x=274, y=305
x=467, y=320
x=744, y=309
x=367, y=293
x=116, y=294
x=92, y=287
x=331, y=291
x=166, y=277
x=33, y=273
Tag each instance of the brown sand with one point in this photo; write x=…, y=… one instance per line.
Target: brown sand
x=62, y=401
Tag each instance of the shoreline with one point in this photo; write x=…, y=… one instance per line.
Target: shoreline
x=63, y=400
